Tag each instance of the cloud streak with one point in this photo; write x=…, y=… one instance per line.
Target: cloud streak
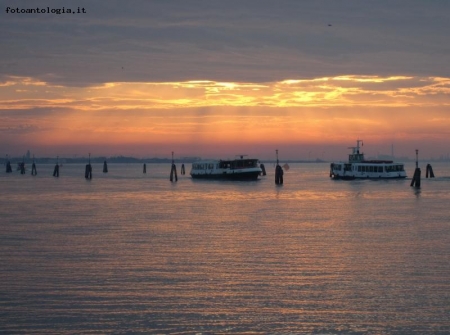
x=232, y=41
x=227, y=113
x=350, y=91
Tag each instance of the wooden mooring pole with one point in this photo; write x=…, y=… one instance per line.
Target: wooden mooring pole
x=173, y=171
x=22, y=166
x=33, y=168
x=263, y=169
x=56, y=170
x=429, y=171
x=88, y=170
x=278, y=172
x=8, y=165
x=415, y=182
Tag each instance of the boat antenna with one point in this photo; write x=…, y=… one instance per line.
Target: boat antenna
x=357, y=144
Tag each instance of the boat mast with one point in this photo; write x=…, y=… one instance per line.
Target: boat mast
x=356, y=156
x=357, y=146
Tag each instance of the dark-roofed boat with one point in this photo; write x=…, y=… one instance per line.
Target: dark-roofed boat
x=237, y=169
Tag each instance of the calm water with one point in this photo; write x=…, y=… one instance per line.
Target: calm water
x=134, y=253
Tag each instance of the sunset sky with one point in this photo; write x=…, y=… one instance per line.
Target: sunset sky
x=218, y=78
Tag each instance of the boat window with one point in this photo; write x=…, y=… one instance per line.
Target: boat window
x=359, y=169
x=211, y=166
x=251, y=163
x=224, y=165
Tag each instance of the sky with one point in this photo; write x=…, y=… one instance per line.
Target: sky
x=219, y=78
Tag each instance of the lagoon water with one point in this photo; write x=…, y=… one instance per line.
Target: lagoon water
x=129, y=252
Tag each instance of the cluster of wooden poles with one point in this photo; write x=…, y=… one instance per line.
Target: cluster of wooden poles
x=22, y=168
x=88, y=169
x=415, y=182
x=173, y=171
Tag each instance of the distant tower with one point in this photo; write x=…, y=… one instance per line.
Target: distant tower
x=28, y=154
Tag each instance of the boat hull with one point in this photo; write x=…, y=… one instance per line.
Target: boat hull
x=238, y=176
x=351, y=177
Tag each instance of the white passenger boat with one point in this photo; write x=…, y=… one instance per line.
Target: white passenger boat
x=237, y=169
x=359, y=168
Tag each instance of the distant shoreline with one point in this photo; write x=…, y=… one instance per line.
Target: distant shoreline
x=183, y=160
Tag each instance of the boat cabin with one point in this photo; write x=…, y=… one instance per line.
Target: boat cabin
x=368, y=167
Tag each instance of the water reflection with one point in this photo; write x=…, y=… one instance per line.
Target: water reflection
x=141, y=254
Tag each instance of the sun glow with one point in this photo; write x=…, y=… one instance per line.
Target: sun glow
x=288, y=111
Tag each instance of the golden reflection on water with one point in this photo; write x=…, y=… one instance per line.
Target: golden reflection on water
x=141, y=254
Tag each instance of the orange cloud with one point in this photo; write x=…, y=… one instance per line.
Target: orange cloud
x=288, y=111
